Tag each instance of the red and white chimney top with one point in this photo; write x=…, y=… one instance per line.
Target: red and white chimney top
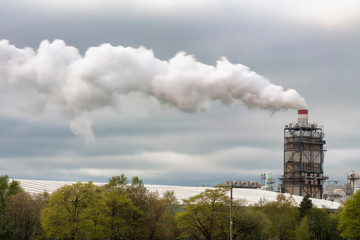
x=302, y=116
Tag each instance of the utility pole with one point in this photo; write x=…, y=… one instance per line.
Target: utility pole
x=231, y=206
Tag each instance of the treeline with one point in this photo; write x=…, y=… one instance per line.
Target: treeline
x=123, y=210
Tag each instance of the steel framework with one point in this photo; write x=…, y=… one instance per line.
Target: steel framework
x=303, y=160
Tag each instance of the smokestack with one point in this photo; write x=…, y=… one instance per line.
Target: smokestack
x=302, y=117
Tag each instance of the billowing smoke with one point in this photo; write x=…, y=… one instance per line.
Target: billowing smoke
x=57, y=74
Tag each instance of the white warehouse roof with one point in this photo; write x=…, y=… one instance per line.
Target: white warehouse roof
x=251, y=196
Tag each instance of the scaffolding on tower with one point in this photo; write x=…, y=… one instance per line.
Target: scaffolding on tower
x=304, y=151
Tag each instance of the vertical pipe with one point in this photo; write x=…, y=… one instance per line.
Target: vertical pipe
x=284, y=179
x=321, y=163
x=353, y=180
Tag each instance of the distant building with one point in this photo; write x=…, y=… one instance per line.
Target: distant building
x=353, y=178
x=268, y=181
x=346, y=188
x=336, y=195
x=243, y=184
x=339, y=193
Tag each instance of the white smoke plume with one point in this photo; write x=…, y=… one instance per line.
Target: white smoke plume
x=59, y=74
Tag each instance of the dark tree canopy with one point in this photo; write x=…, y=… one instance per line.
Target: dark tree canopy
x=7, y=189
x=305, y=205
x=22, y=212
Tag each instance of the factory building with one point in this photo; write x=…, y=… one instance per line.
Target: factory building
x=303, y=158
x=339, y=193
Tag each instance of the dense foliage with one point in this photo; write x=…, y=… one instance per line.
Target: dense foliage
x=205, y=216
x=116, y=210
x=350, y=218
x=123, y=210
x=7, y=190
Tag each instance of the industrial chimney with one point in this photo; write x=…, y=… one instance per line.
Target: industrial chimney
x=303, y=117
x=303, y=157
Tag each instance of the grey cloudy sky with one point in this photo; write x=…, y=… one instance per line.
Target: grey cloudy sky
x=310, y=46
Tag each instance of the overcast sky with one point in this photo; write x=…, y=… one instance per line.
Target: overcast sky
x=312, y=47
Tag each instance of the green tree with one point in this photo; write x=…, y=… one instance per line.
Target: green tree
x=205, y=216
x=69, y=215
x=167, y=222
x=161, y=216
x=282, y=214
x=305, y=205
x=350, y=218
x=22, y=212
x=320, y=226
x=118, y=209
x=149, y=223
x=249, y=223
x=117, y=182
x=7, y=189
x=335, y=218
x=302, y=230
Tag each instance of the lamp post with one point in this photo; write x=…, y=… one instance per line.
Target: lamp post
x=231, y=206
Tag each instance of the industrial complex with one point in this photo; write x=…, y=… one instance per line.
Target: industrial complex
x=304, y=153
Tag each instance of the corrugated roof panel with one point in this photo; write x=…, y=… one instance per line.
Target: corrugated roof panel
x=251, y=196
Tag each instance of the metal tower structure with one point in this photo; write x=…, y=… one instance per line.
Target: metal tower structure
x=353, y=178
x=303, y=158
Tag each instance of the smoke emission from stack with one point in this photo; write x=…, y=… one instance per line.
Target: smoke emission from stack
x=56, y=74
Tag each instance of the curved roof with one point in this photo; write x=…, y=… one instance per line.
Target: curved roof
x=251, y=196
